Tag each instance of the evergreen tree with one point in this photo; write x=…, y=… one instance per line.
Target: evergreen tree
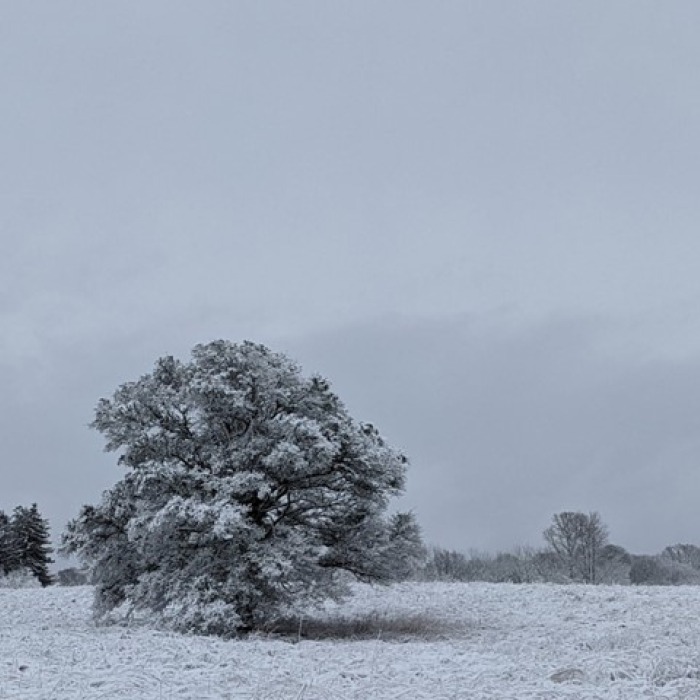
x=9, y=552
x=30, y=537
x=10, y=546
x=405, y=552
x=4, y=542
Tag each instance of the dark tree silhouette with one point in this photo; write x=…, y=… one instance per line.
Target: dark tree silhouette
x=31, y=542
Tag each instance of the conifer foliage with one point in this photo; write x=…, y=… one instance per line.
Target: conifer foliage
x=249, y=492
x=25, y=543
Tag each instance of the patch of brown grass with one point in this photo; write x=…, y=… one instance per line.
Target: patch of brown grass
x=375, y=625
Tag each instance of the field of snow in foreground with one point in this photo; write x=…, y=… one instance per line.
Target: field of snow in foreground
x=434, y=641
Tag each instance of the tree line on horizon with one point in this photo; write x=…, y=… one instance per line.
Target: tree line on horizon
x=577, y=550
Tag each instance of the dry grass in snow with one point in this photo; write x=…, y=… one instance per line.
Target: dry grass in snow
x=412, y=641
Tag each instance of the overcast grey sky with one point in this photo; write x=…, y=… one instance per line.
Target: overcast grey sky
x=479, y=220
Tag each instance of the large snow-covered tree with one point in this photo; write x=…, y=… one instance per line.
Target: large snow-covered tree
x=250, y=491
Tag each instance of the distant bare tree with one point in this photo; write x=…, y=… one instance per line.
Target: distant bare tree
x=577, y=540
x=596, y=538
x=565, y=536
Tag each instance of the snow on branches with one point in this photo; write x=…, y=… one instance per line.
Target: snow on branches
x=250, y=492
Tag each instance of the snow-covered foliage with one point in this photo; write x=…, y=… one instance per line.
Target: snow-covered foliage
x=249, y=490
x=31, y=534
x=25, y=545
x=661, y=570
x=406, y=552
x=688, y=554
x=499, y=642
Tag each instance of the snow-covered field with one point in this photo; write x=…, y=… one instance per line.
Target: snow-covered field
x=432, y=641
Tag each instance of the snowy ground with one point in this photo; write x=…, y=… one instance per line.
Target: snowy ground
x=472, y=641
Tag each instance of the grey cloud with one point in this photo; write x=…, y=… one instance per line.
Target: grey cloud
x=506, y=426
x=300, y=173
